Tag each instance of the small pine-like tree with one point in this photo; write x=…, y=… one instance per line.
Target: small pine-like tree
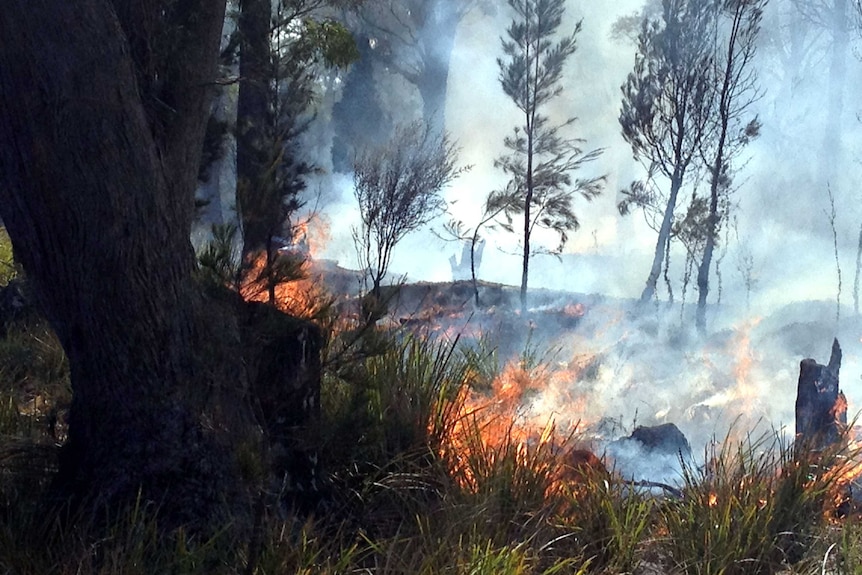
x=283, y=45
x=541, y=159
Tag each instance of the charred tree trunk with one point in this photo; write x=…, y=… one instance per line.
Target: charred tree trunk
x=99, y=152
x=821, y=408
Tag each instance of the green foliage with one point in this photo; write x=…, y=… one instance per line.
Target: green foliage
x=219, y=262
x=611, y=519
x=483, y=364
x=394, y=402
x=332, y=41
x=284, y=62
x=8, y=267
x=666, y=102
x=306, y=549
x=753, y=507
x=845, y=551
x=666, y=93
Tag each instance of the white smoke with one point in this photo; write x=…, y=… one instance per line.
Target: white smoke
x=661, y=372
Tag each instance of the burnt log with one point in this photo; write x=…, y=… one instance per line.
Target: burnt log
x=821, y=408
x=664, y=439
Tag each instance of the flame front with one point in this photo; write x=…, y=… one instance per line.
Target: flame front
x=302, y=293
x=494, y=424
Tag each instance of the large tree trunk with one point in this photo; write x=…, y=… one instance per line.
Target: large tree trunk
x=832, y=155
x=98, y=161
x=358, y=118
x=437, y=38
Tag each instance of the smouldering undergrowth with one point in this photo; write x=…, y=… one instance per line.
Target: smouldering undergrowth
x=420, y=480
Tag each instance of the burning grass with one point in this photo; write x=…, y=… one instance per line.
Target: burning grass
x=436, y=462
x=756, y=505
x=289, y=282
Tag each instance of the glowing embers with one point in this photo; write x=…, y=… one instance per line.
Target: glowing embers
x=712, y=499
x=840, y=465
x=574, y=310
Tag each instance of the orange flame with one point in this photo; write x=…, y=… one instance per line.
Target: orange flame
x=304, y=295
x=499, y=421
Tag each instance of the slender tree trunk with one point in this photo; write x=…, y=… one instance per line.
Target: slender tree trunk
x=530, y=111
x=252, y=116
x=96, y=190
x=663, y=241
x=717, y=169
x=473, y=242
x=711, y=230
x=858, y=273
x=525, y=262
x=832, y=215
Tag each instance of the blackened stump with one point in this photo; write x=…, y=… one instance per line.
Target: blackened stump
x=821, y=408
x=282, y=356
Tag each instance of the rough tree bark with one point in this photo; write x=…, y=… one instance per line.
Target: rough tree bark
x=103, y=108
x=663, y=241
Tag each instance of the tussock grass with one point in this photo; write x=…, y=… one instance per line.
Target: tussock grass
x=612, y=520
x=415, y=486
x=756, y=505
